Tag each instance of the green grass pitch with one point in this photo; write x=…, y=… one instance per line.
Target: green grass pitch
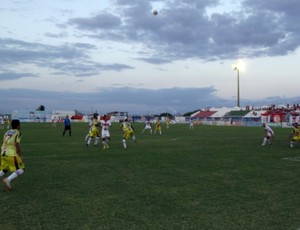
x=207, y=178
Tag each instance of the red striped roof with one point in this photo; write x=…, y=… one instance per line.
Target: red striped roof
x=204, y=114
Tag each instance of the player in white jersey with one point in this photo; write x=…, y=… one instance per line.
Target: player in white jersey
x=105, y=125
x=269, y=134
x=191, y=124
x=148, y=126
x=2, y=122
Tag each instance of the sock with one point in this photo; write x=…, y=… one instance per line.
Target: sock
x=89, y=140
x=2, y=173
x=15, y=174
x=124, y=143
x=96, y=140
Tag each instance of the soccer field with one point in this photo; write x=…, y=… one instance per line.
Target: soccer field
x=207, y=178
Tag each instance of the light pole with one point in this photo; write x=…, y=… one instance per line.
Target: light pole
x=235, y=68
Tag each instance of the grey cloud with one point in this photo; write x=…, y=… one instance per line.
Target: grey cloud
x=79, y=69
x=183, y=29
x=115, y=66
x=100, y=21
x=4, y=76
x=56, y=35
x=62, y=59
x=154, y=60
x=288, y=7
x=17, y=51
x=85, y=46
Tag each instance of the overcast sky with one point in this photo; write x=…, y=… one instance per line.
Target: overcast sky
x=103, y=56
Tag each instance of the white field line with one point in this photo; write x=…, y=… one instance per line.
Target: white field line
x=291, y=158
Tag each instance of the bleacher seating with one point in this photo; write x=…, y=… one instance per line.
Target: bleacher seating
x=203, y=114
x=240, y=113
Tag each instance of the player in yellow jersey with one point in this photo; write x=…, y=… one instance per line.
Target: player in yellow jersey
x=11, y=155
x=158, y=127
x=90, y=128
x=7, y=121
x=94, y=131
x=167, y=122
x=128, y=131
x=295, y=135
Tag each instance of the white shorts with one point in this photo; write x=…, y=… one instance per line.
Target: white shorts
x=105, y=133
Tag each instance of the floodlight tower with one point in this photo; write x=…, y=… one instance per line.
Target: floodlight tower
x=236, y=68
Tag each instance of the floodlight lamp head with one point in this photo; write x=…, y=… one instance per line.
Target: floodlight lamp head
x=234, y=67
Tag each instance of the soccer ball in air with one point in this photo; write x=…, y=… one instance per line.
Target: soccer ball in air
x=155, y=12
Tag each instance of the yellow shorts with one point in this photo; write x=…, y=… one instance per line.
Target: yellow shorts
x=11, y=164
x=296, y=138
x=127, y=134
x=94, y=132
